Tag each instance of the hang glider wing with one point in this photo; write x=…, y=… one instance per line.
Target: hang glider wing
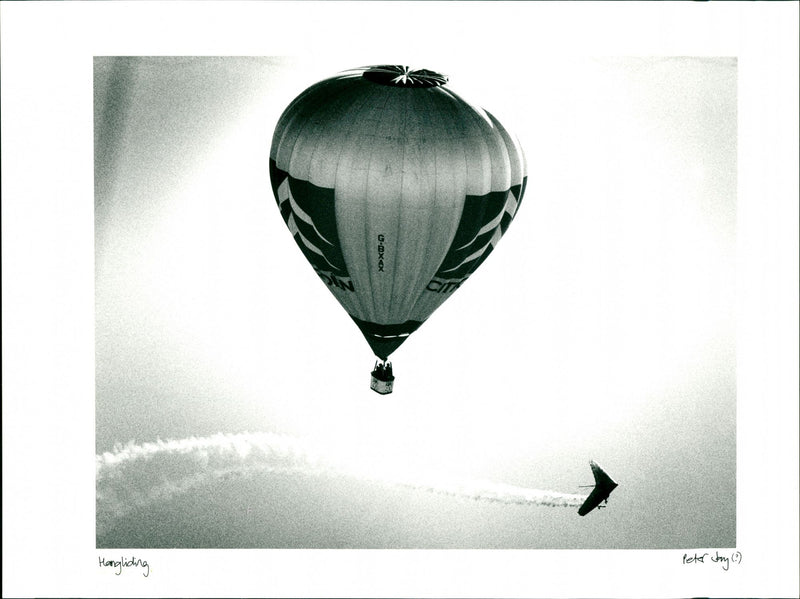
x=603, y=485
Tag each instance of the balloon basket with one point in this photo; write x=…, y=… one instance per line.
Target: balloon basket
x=382, y=380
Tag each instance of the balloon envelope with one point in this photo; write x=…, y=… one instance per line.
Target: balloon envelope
x=395, y=189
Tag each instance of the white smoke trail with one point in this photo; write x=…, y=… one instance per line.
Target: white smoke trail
x=134, y=476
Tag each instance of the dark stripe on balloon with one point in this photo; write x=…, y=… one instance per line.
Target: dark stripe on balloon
x=478, y=212
x=317, y=204
x=385, y=338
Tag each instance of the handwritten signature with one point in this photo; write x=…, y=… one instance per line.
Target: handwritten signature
x=716, y=558
x=123, y=562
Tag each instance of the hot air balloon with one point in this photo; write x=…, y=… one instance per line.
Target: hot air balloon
x=395, y=189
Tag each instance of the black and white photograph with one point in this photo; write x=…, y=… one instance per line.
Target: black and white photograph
x=232, y=389
x=400, y=299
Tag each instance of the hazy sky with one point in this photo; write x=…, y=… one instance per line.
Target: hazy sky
x=601, y=328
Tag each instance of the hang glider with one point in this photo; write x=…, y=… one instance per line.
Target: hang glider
x=603, y=485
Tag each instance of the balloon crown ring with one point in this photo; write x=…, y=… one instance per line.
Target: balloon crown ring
x=403, y=76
